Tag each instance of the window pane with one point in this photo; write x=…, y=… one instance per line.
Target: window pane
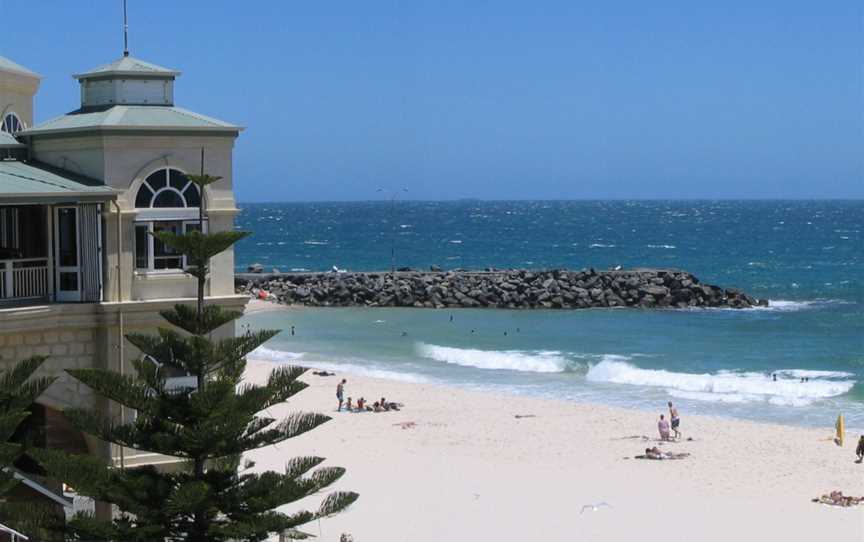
x=193, y=199
x=142, y=247
x=158, y=179
x=167, y=263
x=178, y=180
x=68, y=282
x=145, y=195
x=67, y=243
x=159, y=249
x=192, y=226
x=168, y=198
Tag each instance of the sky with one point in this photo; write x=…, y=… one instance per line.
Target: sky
x=492, y=99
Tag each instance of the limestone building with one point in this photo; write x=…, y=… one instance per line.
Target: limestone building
x=78, y=196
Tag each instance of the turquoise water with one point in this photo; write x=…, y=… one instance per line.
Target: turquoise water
x=806, y=257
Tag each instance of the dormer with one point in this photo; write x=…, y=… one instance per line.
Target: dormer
x=127, y=81
x=18, y=85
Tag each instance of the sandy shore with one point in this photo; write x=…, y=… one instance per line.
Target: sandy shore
x=466, y=468
x=259, y=305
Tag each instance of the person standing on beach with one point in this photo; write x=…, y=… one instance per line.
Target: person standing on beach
x=340, y=393
x=663, y=428
x=859, y=451
x=676, y=421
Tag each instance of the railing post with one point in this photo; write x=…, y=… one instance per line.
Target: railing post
x=9, y=283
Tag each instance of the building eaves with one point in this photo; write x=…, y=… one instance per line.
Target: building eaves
x=7, y=65
x=33, y=181
x=8, y=141
x=39, y=488
x=132, y=117
x=128, y=65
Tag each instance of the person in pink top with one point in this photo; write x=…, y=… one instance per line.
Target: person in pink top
x=663, y=427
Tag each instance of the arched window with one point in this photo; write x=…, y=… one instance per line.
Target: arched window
x=12, y=124
x=167, y=201
x=167, y=188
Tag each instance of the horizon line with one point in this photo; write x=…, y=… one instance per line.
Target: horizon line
x=557, y=200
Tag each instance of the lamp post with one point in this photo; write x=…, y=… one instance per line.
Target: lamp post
x=393, y=195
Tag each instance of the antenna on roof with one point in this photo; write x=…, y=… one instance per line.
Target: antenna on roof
x=125, y=32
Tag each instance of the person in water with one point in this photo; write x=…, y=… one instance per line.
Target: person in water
x=860, y=449
x=663, y=428
x=676, y=421
x=340, y=392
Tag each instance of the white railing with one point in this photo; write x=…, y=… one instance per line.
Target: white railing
x=24, y=278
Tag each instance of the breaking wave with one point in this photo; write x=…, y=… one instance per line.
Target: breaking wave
x=269, y=354
x=730, y=387
x=535, y=361
x=782, y=305
x=361, y=368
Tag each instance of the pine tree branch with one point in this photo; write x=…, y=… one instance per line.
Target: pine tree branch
x=295, y=425
x=124, y=389
x=336, y=502
x=186, y=318
x=16, y=392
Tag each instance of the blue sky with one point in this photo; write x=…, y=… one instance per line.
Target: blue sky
x=493, y=99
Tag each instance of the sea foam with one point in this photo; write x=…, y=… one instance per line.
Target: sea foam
x=538, y=361
x=361, y=367
x=729, y=387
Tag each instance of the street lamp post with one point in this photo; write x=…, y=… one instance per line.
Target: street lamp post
x=393, y=195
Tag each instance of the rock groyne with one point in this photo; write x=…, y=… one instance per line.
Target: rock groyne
x=511, y=289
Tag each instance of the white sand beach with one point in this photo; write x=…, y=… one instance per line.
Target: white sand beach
x=459, y=465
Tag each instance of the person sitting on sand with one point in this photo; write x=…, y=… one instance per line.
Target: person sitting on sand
x=837, y=498
x=656, y=454
x=376, y=406
x=383, y=403
x=663, y=428
x=360, y=404
x=860, y=449
x=653, y=453
x=348, y=406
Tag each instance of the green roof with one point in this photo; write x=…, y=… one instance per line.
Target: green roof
x=8, y=140
x=26, y=181
x=132, y=117
x=9, y=66
x=127, y=65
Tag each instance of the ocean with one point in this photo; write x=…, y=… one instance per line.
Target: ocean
x=806, y=257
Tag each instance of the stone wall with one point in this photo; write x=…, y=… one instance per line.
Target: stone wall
x=65, y=349
x=514, y=289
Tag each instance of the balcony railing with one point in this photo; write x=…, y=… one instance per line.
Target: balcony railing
x=23, y=278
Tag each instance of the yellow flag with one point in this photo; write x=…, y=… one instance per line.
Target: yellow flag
x=841, y=430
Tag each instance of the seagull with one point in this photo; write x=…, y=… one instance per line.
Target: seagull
x=595, y=507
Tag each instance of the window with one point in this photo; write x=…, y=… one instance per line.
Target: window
x=150, y=253
x=167, y=201
x=167, y=188
x=12, y=124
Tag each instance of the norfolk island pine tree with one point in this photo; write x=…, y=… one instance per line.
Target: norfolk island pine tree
x=18, y=391
x=209, y=425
